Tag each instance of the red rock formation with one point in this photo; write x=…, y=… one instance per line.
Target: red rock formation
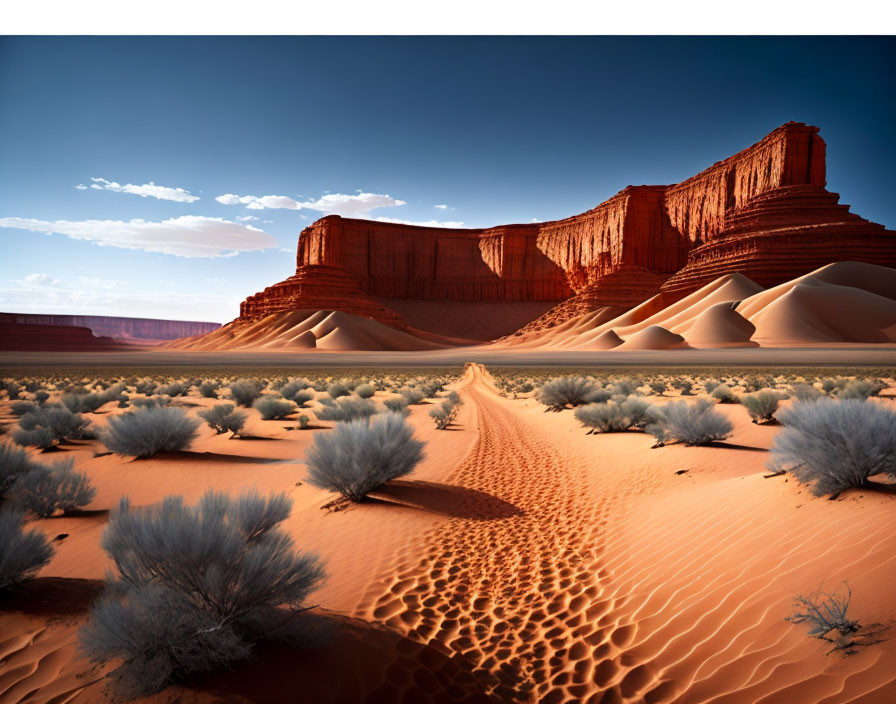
x=763, y=212
x=59, y=338
x=120, y=328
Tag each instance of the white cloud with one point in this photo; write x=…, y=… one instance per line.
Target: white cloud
x=358, y=205
x=147, y=190
x=247, y=218
x=426, y=223
x=535, y=220
x=185, y=236
x=441, y=206
x=40, y=280
x=102, y=297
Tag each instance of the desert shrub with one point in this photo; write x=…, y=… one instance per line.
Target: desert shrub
x=150, y=430
x=14, y=462
x=412, y=395
x=51, y=424
x=337, y=390
x=825, y=613
x=364, y=390
x=566, y=391
x=150, y=401
x=613, y=416
x=347, y=408
x=46, y=489
x=41, y=396
x=445, y=413
x=805, y=392
x=658, y=432
x=303, y=422
x=835, y=445
x=709, y=385
x=695, y=423
x=684, y=386
x=20, y=408
x=209, y=389
x=22, y=552
x=301, y=398
x=224, y=418
x=174, y=389
x=291, y=389
x=273, y=408
x=360, y=456
x=625, y=387
x=399, y=404
x=761, y=405
x=12, y=389
x=146, y=387
x=723, y=394
x=658, y=386
x=860, y=389
x=244, y=392
x=197, y=587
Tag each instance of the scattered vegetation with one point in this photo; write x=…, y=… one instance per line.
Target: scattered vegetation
x=360, y=456
x=696, y=423
x=761, y=405
x=337, y=390
x=46, y=489
x=835, y=445
x=50, y=425
x=568, y=391
x=197, y=587
x=22, y=552
x=244, y=392
x=827, y=615
x=346, y=408
x=150, y=430
x=446, y=413
x=614, y=416
x=273, y=408
x=224, y=418
x=14, y=463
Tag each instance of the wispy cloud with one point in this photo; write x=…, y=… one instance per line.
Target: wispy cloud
x=146, y=190
x=246, y=218
x=40, y=293
x=185, y=236
x=424, y=223
x=441, y=206
x=357, y=205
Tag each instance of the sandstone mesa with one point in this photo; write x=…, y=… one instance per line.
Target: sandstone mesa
x=763, y=213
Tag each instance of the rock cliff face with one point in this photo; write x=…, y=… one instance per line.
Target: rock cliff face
x=763, y=212
x=119, y=328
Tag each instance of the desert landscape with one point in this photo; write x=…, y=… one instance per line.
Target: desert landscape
x=640, y=454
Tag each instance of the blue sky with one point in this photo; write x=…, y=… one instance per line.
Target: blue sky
x=98, y=132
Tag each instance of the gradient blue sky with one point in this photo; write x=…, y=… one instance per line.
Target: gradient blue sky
x=499, y=130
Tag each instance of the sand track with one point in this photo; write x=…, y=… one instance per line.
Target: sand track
x=519, y=595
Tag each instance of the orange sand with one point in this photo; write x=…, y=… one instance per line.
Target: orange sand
x=523, y=561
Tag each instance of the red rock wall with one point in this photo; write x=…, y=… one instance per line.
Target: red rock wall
x=763, y=211
x=120, y=328
x=792, y=155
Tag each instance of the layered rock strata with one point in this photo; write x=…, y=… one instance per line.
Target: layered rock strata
x=763, y=212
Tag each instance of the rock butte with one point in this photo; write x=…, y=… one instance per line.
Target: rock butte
x=763, y=212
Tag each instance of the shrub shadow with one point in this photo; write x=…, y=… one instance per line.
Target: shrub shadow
x=447, y=500
x=361, y=662
x=190, y=456
x=52, y=596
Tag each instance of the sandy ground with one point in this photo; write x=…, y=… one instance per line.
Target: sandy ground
x=523, y=561
x=821, y=355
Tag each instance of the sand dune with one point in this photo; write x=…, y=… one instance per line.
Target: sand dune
x=842, y=302
x=305, y=330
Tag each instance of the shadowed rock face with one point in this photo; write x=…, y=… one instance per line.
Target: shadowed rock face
x=763, y=212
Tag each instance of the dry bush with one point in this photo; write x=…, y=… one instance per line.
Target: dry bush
x=224, y=418
x=197, y=587
x=22, y=552
x=695, y=423
x=614, y=416
x=45, y=489
x=272, y=408
x=150, y=430
x=360, y=456
x=835, y=445
x=761, y=405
